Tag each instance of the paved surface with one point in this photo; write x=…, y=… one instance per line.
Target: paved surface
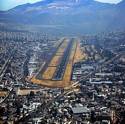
x=59, y=75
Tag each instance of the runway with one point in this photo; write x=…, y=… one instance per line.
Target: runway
x=57, y=72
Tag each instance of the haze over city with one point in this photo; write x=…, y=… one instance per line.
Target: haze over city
x=62, y=62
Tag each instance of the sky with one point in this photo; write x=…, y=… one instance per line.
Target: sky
x=8, y=4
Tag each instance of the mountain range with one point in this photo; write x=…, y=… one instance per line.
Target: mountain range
x=74, y=16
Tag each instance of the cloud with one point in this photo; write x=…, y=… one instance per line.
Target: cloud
x=109, y=1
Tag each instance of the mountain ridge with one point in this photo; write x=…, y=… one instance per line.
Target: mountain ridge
x=80, y=16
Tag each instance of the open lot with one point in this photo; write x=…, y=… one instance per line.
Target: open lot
x=3, y=93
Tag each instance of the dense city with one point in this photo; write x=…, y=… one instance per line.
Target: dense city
x=96, y=94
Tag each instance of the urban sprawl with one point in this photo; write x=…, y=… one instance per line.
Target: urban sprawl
x=62, y=80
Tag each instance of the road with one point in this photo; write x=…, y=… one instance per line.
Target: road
x=5, y=66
